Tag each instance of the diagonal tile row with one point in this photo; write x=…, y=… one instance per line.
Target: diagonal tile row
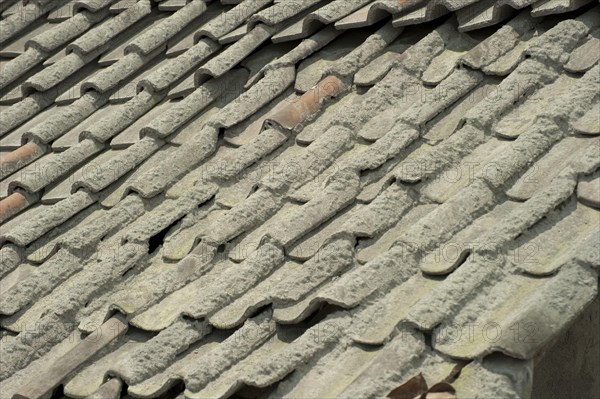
x=329, y=196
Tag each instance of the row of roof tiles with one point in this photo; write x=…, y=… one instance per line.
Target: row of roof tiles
x=266, y=230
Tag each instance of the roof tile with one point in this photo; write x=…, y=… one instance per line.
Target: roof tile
x=114, y=193
x=380, y=66
x=15, y=203
x=55, y=215
x=132, y=134
x=374, y=12
x=381, y=214
x=364, y=53
x=423, y=13
x=20, y=157
x=246, y=131
x=181, y=112
x=310, y=246
x=111, y=389
x=229, y=183
x=72, y=359
x=99, y=36
x=156, y=37
x=282, y=11
x=586, y=55
x=556, y=6
x=115, y=122
x=181, y=241
x=339, y=192
x=49, y=169
x=532, y=310
x=17, y=47
x=369, y=249
x=243, y=277
x=443, y=185
x=589, y=124
x=61, y=188
x=451, y=254
x=228, y=21
x=481, y=14
x=298, y=111
x=62, y=13
x=22, y=18
x=123, y=162
x=394, y=308
x=257, y=208
x=523, y=117
x=542, y=250
x=257, y=96
x=323, y=16
x=67, y=118
x=587, y=191
x=148, y=292
x=63, y=346
x=543, y=171
x=312, y=69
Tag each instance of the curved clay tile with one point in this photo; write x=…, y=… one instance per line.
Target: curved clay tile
x=585, y=56
x=14, y=204
x=230, y=20
x=308, y=104
x=100, y=35
x=273, y=221
x=588, y=190
x=322, y=17
x=12, y=161
x=87, y=348
x=482, y=14
x=376, y=11
x=281, y=11
x=550, y=7
x=234, y=54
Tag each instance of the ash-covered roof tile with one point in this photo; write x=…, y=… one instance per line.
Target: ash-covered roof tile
x=571, y=226
x=282, y=11
x=587, y=190
x=370, y=248
x=50, y=168
x=481, y=14
x=323, y=16
x=373, y=12
x=230, y=20
x=17, y=47
x=426, y=12
x=72, y=359
x=226, y=195
x=61, y=13
x=585, y=56
x=556, y=6
x=544, y=170
x=23, y=17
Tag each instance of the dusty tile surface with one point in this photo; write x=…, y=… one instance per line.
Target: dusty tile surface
x=294, y=198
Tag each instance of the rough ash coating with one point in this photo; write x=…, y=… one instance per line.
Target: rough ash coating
x=303, y=199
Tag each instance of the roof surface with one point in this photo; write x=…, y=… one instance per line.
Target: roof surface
x=294, y=198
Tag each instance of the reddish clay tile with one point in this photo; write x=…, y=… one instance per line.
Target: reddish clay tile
x=21, y=154
x=20, y=157
x=293, y=114
x=14, y=204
